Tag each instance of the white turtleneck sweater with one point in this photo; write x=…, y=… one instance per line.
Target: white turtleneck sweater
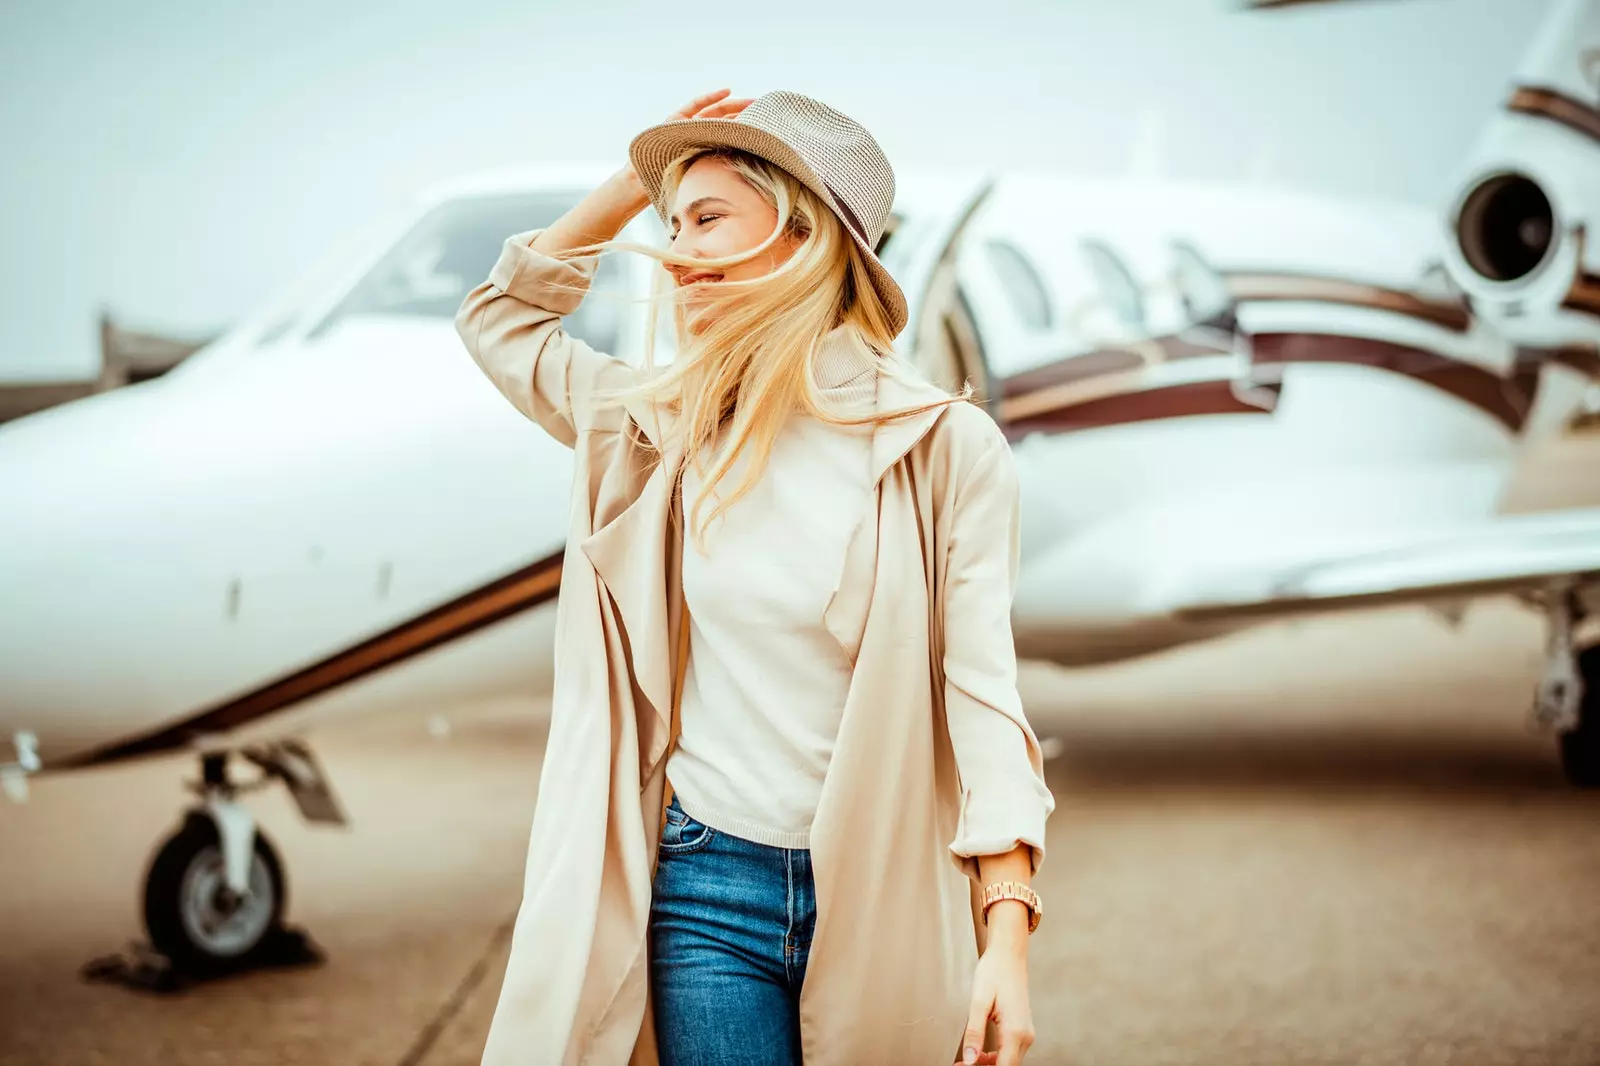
x=765, y=685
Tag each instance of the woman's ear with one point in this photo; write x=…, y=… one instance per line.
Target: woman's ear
x=796, y=228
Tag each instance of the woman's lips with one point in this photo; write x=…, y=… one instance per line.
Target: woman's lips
x=690, y=279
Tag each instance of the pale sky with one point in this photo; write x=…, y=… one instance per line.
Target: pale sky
x=178, y=161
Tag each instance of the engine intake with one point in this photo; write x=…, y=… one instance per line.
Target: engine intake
x=1506, y=227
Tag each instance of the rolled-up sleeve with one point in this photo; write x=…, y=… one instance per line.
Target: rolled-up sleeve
x=1005, y=801
x=511, y=325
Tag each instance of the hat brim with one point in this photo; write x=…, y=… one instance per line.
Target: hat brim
x=652, y=150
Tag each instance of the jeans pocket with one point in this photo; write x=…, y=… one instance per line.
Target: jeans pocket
x=682, y=834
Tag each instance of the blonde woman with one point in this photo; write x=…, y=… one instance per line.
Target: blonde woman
x=790, y=806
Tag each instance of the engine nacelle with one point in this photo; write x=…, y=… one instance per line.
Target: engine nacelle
x=1524, y=239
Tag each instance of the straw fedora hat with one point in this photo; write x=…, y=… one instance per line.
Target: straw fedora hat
x=830, y=153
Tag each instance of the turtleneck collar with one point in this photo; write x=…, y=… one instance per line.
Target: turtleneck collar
x=841, y=363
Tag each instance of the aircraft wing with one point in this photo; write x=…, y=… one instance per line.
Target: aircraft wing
x=1510, y=554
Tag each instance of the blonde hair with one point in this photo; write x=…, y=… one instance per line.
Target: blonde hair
x=752, y=363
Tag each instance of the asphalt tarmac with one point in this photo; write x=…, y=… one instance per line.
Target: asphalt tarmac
x=1330, y=841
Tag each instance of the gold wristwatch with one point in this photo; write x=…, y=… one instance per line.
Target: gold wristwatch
x=1016, y=890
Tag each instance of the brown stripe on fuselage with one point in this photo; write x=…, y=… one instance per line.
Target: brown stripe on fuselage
x=1125, y=395
x=514, y=593
x=1250, y=286
x=1556, y=106
x=1183, y=400
x=1102, y=361
x=1508, y=400
x=1272, y=5
x=1585, y=360
x=1246, y=286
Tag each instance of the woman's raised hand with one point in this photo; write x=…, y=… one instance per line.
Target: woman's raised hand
x=716, y=104
x=601, y=215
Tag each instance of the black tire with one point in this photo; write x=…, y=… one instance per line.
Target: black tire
x=183, y=894
x=1580, y=747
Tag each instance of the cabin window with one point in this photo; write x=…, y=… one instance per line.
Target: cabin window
x=1025, y=289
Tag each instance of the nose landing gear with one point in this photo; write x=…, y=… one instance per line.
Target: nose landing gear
x=194, y=917
x=215, y=892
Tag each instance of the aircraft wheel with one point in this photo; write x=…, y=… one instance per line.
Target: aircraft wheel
x=190, y=913
x=1580, y=747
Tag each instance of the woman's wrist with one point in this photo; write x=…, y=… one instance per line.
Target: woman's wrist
x=631, y=195
x=1008, y=927
x=598, y=217
x=1009, y=919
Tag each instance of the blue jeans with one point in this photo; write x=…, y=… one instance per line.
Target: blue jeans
x=730, y=928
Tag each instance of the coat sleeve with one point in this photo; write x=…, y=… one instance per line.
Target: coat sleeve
x=1005, y=800
x=511, y=324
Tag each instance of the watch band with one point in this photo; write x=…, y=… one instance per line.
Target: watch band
x=1016, y=890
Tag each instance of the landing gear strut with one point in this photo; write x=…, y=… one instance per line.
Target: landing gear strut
x=214, y=892
x=1580, y=745
x=1567, y=699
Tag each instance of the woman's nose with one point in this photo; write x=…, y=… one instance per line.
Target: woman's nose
x=685, y=248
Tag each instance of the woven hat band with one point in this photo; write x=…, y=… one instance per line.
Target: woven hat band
x=848, y=217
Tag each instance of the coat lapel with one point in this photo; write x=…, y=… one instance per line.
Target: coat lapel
x=892, y=440
x=631, y=557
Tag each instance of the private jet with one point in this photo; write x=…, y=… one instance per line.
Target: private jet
x=1246, y=406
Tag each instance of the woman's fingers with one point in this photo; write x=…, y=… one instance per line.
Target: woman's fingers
x=977, y=1022
x=699, y=103
x=712, y=105
x=726, y=108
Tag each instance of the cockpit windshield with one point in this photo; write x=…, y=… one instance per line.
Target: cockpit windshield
x=451, y=250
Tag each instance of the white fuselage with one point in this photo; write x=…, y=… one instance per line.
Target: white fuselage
x=311, y=519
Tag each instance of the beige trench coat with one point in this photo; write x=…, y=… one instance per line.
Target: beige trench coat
x=889, y=974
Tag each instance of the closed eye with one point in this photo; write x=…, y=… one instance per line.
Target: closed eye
x=699, y=220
